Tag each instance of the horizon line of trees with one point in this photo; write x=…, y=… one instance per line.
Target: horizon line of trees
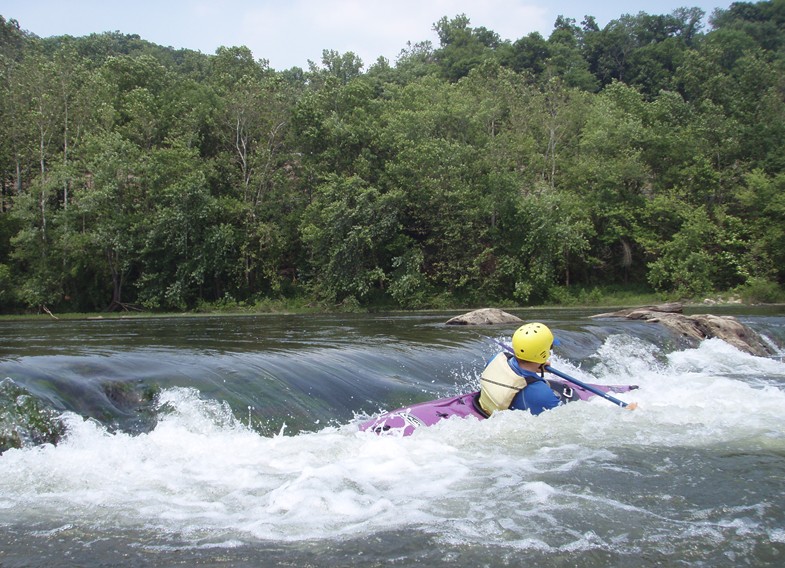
x=647, y=153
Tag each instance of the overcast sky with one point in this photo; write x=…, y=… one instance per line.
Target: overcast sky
x=289, y=33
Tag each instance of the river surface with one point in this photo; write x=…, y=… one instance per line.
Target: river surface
x=234, y=441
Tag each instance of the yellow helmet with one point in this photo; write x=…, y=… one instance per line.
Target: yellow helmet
x=533, y=342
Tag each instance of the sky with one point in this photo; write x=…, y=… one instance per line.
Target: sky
x=289, y=33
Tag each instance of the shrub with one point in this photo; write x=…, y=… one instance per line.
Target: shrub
x=761, y=291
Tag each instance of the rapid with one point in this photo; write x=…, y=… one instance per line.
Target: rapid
x=234, y=441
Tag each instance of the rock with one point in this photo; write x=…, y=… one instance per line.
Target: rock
x=484, y=316
x=641, y=313
x=701, y=326
x=26, y=420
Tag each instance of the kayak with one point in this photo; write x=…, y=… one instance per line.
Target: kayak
x=404, y=421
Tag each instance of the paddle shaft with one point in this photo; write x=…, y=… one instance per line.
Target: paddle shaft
x=583, y=385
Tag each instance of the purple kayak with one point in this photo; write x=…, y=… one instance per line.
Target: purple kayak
x=404, y=421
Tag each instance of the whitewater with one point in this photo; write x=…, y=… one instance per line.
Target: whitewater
x=221, y=471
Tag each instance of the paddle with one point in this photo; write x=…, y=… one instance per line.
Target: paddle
x=598, y=392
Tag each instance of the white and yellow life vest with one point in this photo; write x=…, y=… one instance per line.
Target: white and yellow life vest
x=499, y=384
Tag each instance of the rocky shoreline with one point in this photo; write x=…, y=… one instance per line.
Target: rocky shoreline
x=698, y=327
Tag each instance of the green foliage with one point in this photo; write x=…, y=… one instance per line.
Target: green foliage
x=643, y=51
x=350, y=232
x=761, y=200
x=647, y=153
x=463, y=48
x=409, y=286
x=551, y=231
x=761, y=291
x=705, y=255
x=6, y=285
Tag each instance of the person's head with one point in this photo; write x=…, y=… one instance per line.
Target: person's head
x=532, y=343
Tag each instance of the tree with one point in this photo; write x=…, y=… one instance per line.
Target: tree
x=462, y=48
x=16, y=142
x=110, y=209
x=415, y=61
x=707, y=253
x=642, y=50
x=343, y=67
x=174, y=260
x=764, y=22
x=761, y=202
x=34, y=124
x=530, y=53
x=552, y=231
x=232, y=64
x=259, y=172
x=611, y=176
x=351, y=231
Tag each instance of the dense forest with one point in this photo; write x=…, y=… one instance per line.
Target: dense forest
x=647, y=154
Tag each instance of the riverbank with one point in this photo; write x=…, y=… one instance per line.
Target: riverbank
x=601, y=298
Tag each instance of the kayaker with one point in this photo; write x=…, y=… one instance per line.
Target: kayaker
x=517, y=381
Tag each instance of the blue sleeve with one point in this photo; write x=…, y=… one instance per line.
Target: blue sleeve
x=536, y=398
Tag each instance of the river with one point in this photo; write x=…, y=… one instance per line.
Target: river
x=234, y=441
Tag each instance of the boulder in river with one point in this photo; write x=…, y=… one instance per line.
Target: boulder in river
x=484, y=316
x=700, y=326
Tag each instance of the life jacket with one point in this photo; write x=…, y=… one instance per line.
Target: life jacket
x=499, y=384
